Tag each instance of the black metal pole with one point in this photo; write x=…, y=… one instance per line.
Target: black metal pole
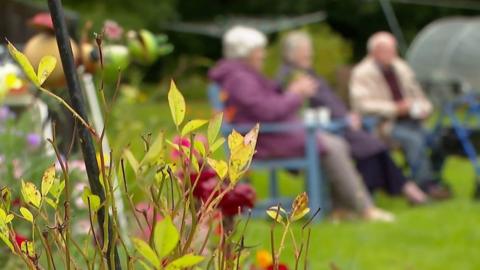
x=86, y=141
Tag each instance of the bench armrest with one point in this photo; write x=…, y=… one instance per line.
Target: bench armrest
x=333, y=126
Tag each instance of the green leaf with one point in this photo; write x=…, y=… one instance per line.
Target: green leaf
x=24, y=63
x=214, y=128
x=26, y=214
x=185, y=261
x=6, y=240
x=144, y=265
x=220, y=167
x=165, y=237
x=195, y=165
x=177, y=104
x=192, y=126
x=199, y=147
x=6, y=196
x=31, y=194
x=155, y=152
x=131, y=160
x=217, y=144
x=51, y=202
x=45, y=68
x=91, y=199
x=48, y=179
x=146, y=251
x=57, y=188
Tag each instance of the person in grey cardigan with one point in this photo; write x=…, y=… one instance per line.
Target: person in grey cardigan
x=370, y=153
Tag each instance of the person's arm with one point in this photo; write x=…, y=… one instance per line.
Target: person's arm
x=249, y=96
x=366, y=103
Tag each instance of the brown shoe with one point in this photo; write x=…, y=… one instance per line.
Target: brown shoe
x=439, y=192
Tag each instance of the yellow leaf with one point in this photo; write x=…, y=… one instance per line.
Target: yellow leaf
x=177, y=104
x=31, y=194
x=300, y=206
x=26, y=214
x=48, y=179
x=219, y=166
x=276, y=213
x=24, y=63
x=192, y=126
x=45, y=68
x=252, y=135
x=28, y=248
x=9, y=218
x=234, y=140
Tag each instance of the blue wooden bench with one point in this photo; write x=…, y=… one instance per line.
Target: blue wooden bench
x=310, y=163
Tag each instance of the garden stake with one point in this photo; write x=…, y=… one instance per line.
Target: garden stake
x=86, y=141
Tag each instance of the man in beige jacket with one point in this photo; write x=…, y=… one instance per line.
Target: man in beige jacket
x=383, y=85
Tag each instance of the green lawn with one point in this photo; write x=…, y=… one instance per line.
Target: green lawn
x=438, y=236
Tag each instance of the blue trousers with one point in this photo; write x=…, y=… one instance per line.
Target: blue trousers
x=411, y=135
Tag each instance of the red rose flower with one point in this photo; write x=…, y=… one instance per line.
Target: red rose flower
x=241, y=197
x=20, y=239
x=280, y=267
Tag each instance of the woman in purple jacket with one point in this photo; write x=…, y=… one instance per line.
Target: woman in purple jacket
x=251, y=97
x=371, y=155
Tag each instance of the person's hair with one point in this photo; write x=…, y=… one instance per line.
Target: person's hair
x=290, y=43
x=240, y=41
x=380, y=38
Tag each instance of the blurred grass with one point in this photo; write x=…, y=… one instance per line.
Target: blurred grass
x=438, y=236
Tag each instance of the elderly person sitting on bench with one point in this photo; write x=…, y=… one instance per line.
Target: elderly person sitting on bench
x=371, y=155
x=383, y=85
x=254, y=98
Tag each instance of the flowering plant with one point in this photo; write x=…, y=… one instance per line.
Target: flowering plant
x=171, y=216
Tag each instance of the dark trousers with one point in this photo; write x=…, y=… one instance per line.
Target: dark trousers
x=380, y=172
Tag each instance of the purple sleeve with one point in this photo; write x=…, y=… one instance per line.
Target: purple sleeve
x=251, y=97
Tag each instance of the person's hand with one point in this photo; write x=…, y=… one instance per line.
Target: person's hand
x=355, y=121
x=304, y=85
x=403, y=107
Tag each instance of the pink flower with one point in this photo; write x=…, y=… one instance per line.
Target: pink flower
x=82, y=226
x=77, y=164
x=185, y=142
x=17, y=169
x=112, y=30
